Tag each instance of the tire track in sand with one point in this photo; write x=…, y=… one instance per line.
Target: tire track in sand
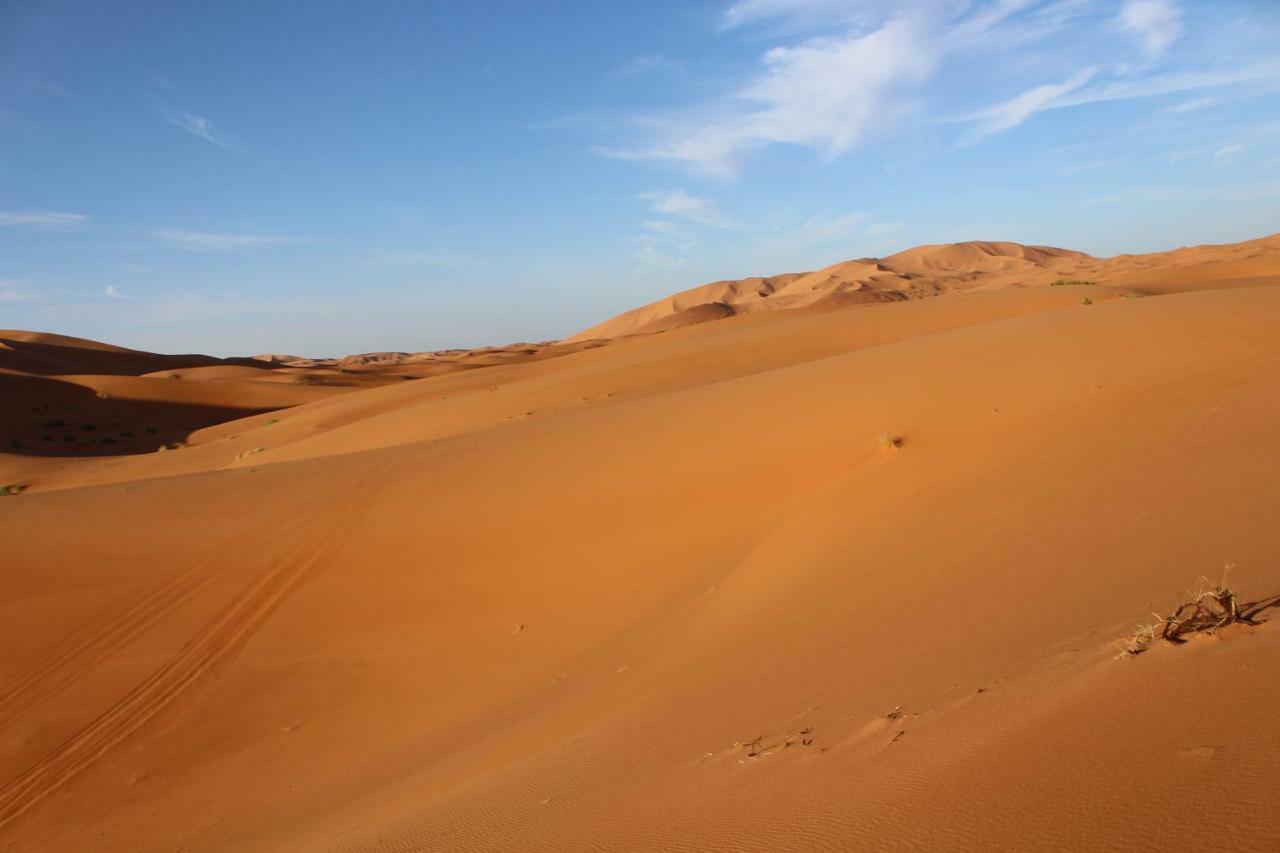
x=213, y=645
x=78, y=654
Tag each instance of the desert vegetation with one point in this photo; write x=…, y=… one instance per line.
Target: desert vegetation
x=1212, y=605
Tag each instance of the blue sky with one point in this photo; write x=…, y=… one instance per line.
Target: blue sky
x=324, y=178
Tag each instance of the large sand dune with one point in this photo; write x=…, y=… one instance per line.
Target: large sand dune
x=948, y=268
x=846, y=576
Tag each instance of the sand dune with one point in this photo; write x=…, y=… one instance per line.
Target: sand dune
x=841, y=576
x=948, y=268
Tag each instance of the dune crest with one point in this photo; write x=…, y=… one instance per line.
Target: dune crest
x=917, y=273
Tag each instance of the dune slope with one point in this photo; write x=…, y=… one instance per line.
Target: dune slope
x=926, y=271
x=829, y=578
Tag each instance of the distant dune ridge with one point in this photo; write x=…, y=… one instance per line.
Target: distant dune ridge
x=914, y=273
x=839, y=560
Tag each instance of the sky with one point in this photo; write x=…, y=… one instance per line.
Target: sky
x=323, y=178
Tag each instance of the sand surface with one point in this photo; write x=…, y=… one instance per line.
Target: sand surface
x=852, y=575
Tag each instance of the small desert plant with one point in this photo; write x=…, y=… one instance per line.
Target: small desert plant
x=1212, y=605
x=12, y=489
x=886, y=442
x=272, y=421
x=1086, y=301
x=1072, y=282
x=1141, y=639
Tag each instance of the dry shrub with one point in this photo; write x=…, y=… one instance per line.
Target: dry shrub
x=888, y=442
x=1213, y=605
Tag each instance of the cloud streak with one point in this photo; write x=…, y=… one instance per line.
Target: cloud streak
x=195, y=125
x=420, y=258
x=685, y=206
x=201, y=241
x=1156, y=23
x=1016, y=110
x=41, y=219
x=826, y=94
x=859, y=69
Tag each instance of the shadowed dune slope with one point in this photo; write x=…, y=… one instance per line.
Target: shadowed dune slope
x=820, y=579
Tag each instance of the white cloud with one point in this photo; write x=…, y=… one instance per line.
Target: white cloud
x=42, y=219
x=664, y=243
x=420, y=258
x=653, y=63
x=823, y=229
x=195, y=125
x=662, y=226
x=985, y=18
x=1156, y=23
x=1019, y=108
x=826, y=93
x=1192, y=105
x=199, y=241
x=1182, y=194
x=744, y=12
x=114, y=292
x=1073, y=93
x=11, y=294
x=1266, y=73
x=685, y=206
x=1227, y=153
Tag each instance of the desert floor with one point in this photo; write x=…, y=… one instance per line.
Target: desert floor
x=856, y=574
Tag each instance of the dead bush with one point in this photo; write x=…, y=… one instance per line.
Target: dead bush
x=1213, y=605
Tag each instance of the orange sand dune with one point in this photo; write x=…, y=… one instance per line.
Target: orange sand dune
x=838, y=577
x=947, y=268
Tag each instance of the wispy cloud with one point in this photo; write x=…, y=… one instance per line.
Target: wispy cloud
x=420, y=258
x=42, y=219
x=200, y=241
x=854, y=70
x=1265, y=73
x=114, y=292
x=1192, y=105
x=13, y=293
x=194, y=125
x=1227, y=153
x=681, y=204
x=826, y=93
x=664, y=244
x=1019, y=108
x=1074, y=93
x=654, y=63
x=743, y=13
x=1168, y=194
x=1156, y=23
x=825, y=229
